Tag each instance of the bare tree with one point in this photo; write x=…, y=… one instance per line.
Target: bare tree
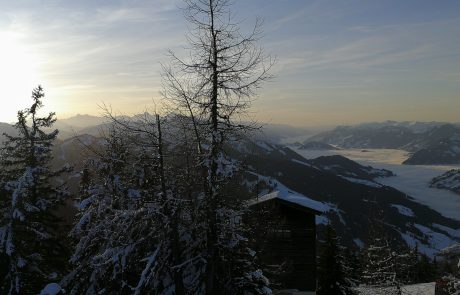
x=214, y=85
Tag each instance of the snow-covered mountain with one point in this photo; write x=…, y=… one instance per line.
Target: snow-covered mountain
x=315, y=145
x=6, y=128
x=414, y=126
x=352, y=195
x=449, y=180
x=443, y=147
x=79, y=122
x=94, y=125
x=389, y=137
x=346, y=168
x=430, y=143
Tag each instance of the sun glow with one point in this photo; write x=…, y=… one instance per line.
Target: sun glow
x=18, y=75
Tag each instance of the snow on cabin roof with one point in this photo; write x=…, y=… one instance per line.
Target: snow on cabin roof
x=290, y=197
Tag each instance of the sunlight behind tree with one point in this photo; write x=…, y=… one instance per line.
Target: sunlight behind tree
x=18, y=74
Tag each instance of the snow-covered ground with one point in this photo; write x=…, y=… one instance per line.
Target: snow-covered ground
x=410, y=179
x=418, y=289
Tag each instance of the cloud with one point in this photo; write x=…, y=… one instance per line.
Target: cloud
x=396, y=46
x=110, y=50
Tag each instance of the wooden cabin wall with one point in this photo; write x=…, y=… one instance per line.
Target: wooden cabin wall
x=286, y=239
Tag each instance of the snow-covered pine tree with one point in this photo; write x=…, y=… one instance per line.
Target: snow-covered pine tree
x=453, y=282
x=102, y=205
x=333, y=273
x=129, y=234
x=353, y=266
x=405, y=259
x=31, y=252
x=379, y=266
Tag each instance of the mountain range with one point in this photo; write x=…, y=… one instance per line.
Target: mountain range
x=429, y=143
x=350, y=194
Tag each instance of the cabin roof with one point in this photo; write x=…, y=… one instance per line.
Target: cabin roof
x=294, y=200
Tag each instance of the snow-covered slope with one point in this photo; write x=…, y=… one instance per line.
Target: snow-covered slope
x=349, y=193
x=389, y=137
x=449, y=180
x=344, y=167
x=444, y=150
x=417, y=289
x=352, y=202
x=429, y=143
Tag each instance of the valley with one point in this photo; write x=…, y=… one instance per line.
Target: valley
x=413, y=180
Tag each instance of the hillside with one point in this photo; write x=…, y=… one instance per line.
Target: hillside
x=449, y=180
x=353, y=203
x=348, y=191
x=430, y=143
x=316, y=145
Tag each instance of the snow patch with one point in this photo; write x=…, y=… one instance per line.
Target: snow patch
x=363, y=181
x=418, y=289
x=51, y=289
x=263, y=145
x=430, y=243
x=358, y=242
x=403, y=210
x=304, y=163
x=322, y=219
x=455, y=233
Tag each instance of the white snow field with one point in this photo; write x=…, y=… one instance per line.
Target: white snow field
x=410, y=179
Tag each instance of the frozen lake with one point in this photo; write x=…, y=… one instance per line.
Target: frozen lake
x=410, y=179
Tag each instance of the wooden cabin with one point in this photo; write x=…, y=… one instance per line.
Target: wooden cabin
x=285, y=235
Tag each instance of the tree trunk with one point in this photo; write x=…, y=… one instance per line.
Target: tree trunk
x=175, y=243
x=211, y=279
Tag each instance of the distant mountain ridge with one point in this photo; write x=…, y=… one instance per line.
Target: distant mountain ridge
x=8, y=129
x=315, y=145
x=449, y=180
x=79, y=121
x=414, y=126
x=430, y=143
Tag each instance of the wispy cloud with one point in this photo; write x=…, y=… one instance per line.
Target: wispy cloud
x=328, y=52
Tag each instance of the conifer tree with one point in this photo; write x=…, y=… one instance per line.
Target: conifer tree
x=96, y=231
x=425, y=269
x=380, y=266
x=128, y=233
x=29, y=246
x=332, y=271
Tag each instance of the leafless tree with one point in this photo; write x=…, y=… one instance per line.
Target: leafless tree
x=213, y=84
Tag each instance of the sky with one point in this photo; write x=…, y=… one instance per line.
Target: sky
x=338, y=62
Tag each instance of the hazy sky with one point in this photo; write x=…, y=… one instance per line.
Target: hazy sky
x=338, y=61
